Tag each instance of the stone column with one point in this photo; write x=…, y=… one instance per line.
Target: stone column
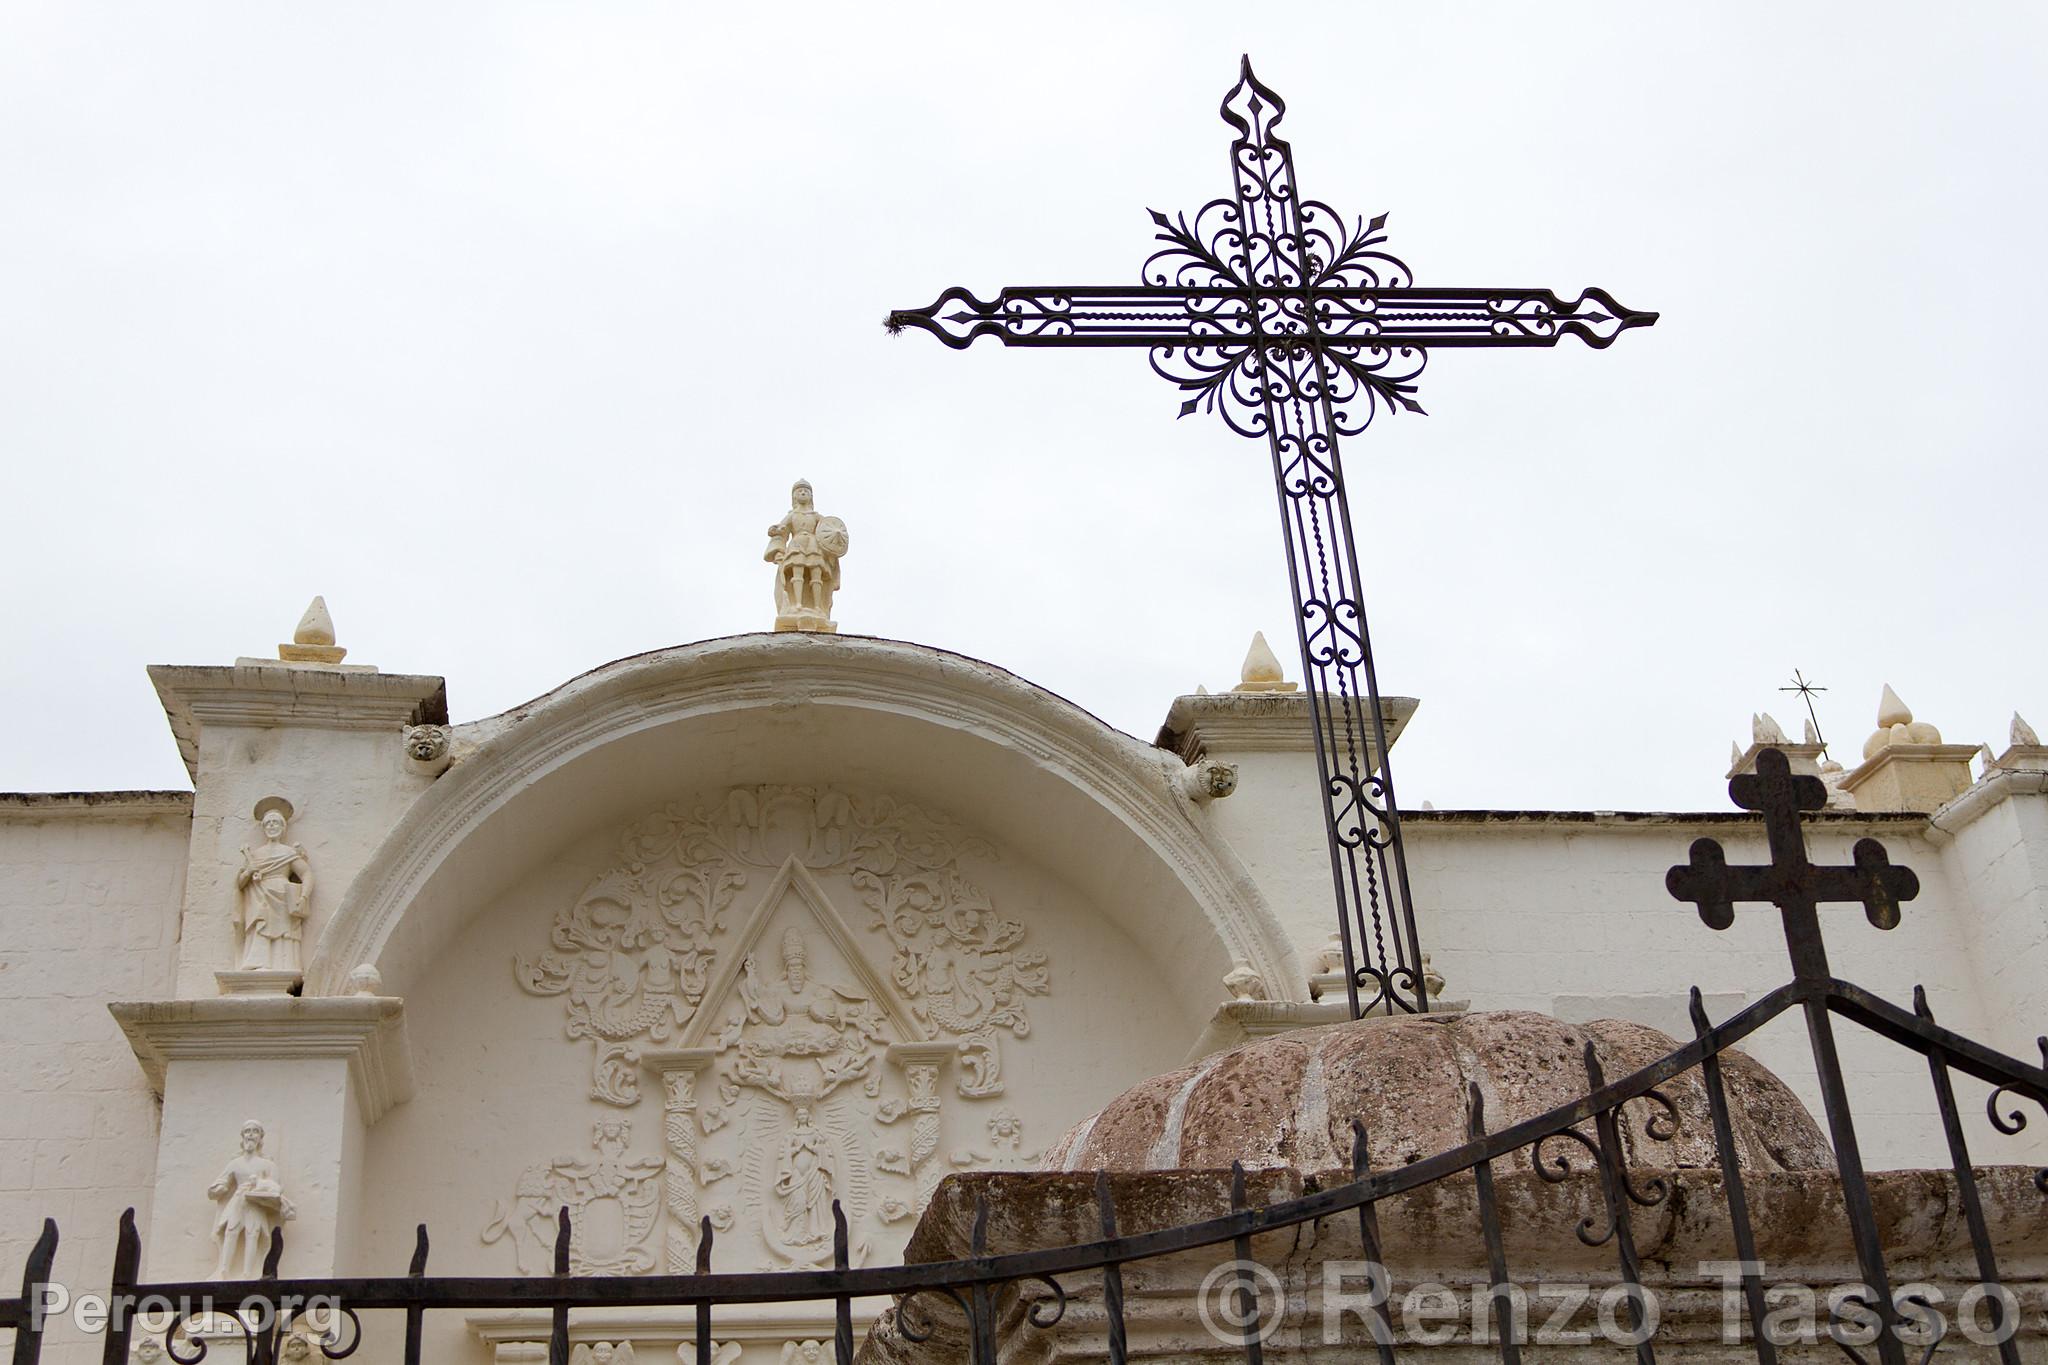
x=679, y=1070
x=315, y=1073
x=924, y=1065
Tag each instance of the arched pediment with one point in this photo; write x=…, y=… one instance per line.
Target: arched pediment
x=1103, y=810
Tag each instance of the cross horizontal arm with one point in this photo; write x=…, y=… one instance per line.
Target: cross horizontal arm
x=1716, y=888
x=1725, y=885
x=1317, y=316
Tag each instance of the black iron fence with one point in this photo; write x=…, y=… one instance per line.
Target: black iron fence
x=985, y=1299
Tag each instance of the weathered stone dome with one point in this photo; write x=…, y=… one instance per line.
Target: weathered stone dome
x=1289, y=1100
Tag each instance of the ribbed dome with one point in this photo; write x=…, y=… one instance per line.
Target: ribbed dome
x=1289, y=1100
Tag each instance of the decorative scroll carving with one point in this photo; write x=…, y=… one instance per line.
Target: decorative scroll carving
x=632, y=955
x=768, y=1025
x=612, y=1201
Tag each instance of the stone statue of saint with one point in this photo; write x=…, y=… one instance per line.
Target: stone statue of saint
x=803, y=1182
x=252, y=1205
x=276, y=886
x=805, y=549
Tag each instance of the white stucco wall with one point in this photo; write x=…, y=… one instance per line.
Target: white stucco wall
x=501, y=1087
x=1140, y=897
x=89, y=895
x=1567, y=913
x=348, y=788
x=1995, y=844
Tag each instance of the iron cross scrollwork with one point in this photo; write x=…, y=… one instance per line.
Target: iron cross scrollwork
x=1296, y=324
x=1789, y=880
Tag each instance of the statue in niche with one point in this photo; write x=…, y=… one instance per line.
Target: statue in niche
x=803, y=1182
x=276, y=886
x=252, y=1206
x=805, y=549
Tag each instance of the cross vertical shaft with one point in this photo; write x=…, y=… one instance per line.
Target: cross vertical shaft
x=1296, y=325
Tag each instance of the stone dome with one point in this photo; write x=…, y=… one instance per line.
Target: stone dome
x=1288, y=1100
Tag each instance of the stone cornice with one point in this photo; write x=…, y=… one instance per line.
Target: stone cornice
x=1845, y=820
x=367, y=1031
x=94, y=805
x=1998, y=786
x=262, y=695
x=1225, y=723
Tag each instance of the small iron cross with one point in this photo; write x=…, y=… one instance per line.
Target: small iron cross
x=1295, y=324
x=1789, y=881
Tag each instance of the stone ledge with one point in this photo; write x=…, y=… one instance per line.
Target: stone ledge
x=1258, y=723
x=366, y=1030
x=521, y=1334
x=1998, y=786
x=1654, y=819
x=1242, y=1021
x=123, y=805
x=267, y=695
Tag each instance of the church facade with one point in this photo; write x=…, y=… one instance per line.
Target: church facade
x=725, y=935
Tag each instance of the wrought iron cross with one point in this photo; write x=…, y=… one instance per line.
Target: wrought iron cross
x=1797, y=888
x=1789, y=880
x=1297, y=326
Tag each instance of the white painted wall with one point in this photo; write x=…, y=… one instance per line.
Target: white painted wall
x=347, y=788
x=1566, y=913
x=501, y=1087
x=89, y=898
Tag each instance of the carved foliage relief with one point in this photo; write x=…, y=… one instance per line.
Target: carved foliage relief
x=807, y=974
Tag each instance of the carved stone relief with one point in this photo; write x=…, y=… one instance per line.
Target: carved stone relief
x=632, y=955
x=805, y=1026
x=612, y=1200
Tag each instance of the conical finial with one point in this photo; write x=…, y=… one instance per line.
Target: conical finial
x=1895, y=725
x=2023, y=736
x=1734, y=757
x=313, y=640
x=1261, y=671
x=316, y=627
x=1812, y=731
x=1765, y=730
x=1891, y=711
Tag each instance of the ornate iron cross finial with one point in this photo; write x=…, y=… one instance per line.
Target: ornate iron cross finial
x=1789, y=880
x=1296, y=325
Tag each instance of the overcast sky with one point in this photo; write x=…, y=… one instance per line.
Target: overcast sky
x=507, y=328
